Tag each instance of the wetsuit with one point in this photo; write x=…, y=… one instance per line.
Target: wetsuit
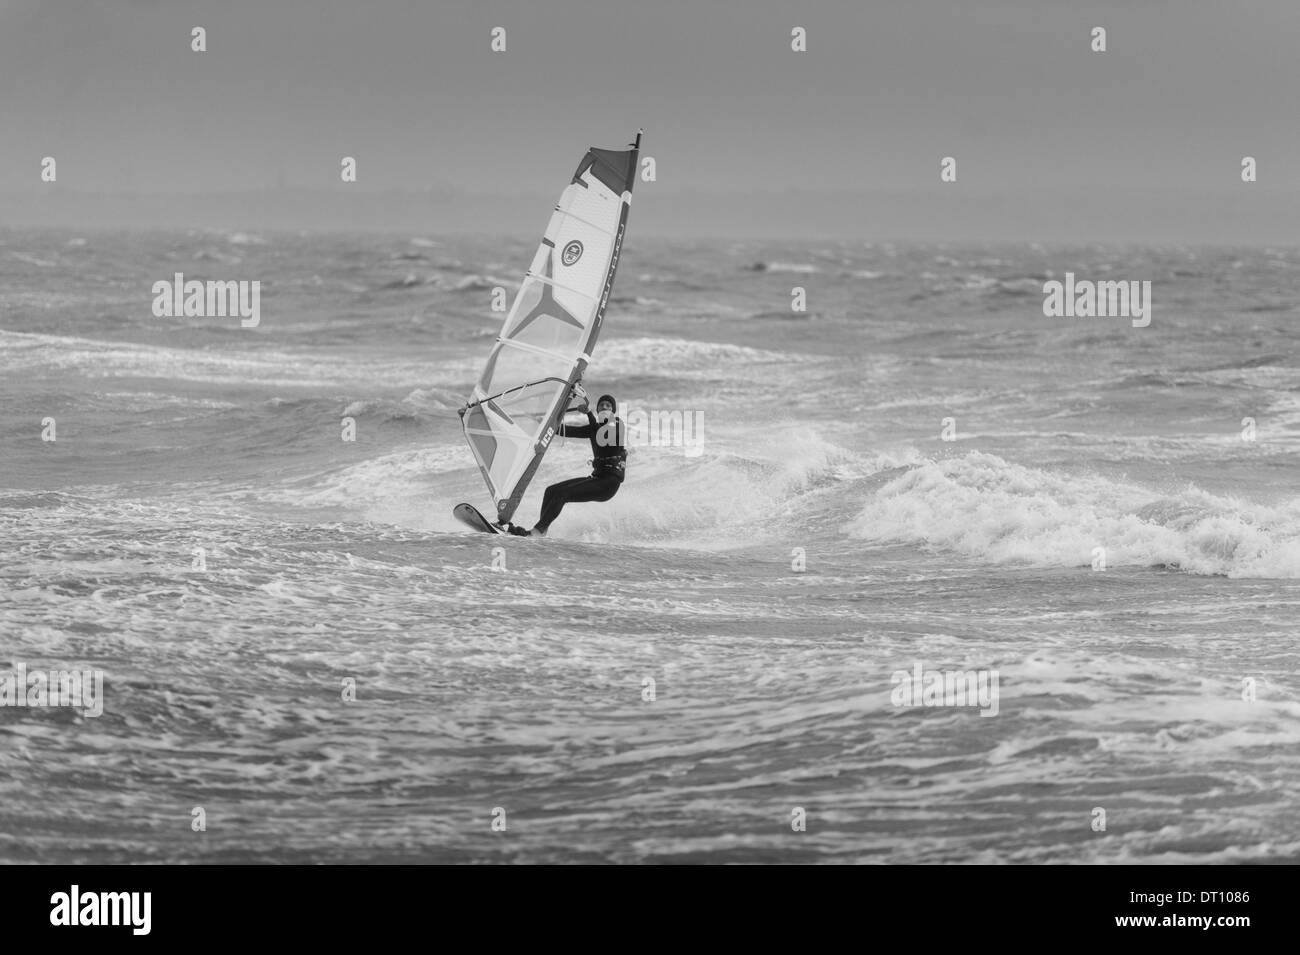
x=608, y=462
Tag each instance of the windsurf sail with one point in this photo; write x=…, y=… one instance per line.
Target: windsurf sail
x=551, y=329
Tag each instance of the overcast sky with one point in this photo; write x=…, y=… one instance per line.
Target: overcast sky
x=1050, y=138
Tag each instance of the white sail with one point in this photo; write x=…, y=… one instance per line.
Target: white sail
x=551, y=328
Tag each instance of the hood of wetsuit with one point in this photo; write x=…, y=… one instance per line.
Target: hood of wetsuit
x=610, y=399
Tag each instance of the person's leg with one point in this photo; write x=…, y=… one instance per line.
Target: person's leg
x=554, y=499
x=605, y=489
x=576, y=491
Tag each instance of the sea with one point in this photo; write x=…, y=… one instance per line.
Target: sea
x=856, y=465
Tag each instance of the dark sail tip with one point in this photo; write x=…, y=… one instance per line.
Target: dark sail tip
x=616, y=168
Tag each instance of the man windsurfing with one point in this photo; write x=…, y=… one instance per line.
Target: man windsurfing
x=608, y=436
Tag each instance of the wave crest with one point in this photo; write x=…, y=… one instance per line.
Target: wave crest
x=980, y=505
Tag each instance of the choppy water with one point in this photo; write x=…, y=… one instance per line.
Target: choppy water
x=522, y=688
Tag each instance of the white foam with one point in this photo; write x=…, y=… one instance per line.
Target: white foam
x=392, y=484
x=981, y=505
x=23, y=351
x=726, y=498
x=682, y=357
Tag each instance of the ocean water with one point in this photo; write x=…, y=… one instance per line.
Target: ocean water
x=821, y=537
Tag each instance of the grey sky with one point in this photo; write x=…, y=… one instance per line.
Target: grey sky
x=1142, y=141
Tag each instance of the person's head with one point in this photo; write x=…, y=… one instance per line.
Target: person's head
x=606, y=407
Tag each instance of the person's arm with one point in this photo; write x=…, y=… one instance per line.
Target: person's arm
x=579, y=430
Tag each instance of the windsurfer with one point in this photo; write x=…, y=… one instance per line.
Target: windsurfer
x=608, y=436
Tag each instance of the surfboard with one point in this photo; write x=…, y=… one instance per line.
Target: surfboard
x=468, y=515
x=551, y=329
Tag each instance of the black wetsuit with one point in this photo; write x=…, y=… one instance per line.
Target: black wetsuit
x=608, y=462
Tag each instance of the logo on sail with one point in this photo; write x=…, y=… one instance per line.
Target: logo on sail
x=572, y=252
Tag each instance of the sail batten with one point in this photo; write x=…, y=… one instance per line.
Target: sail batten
x=551, y=328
